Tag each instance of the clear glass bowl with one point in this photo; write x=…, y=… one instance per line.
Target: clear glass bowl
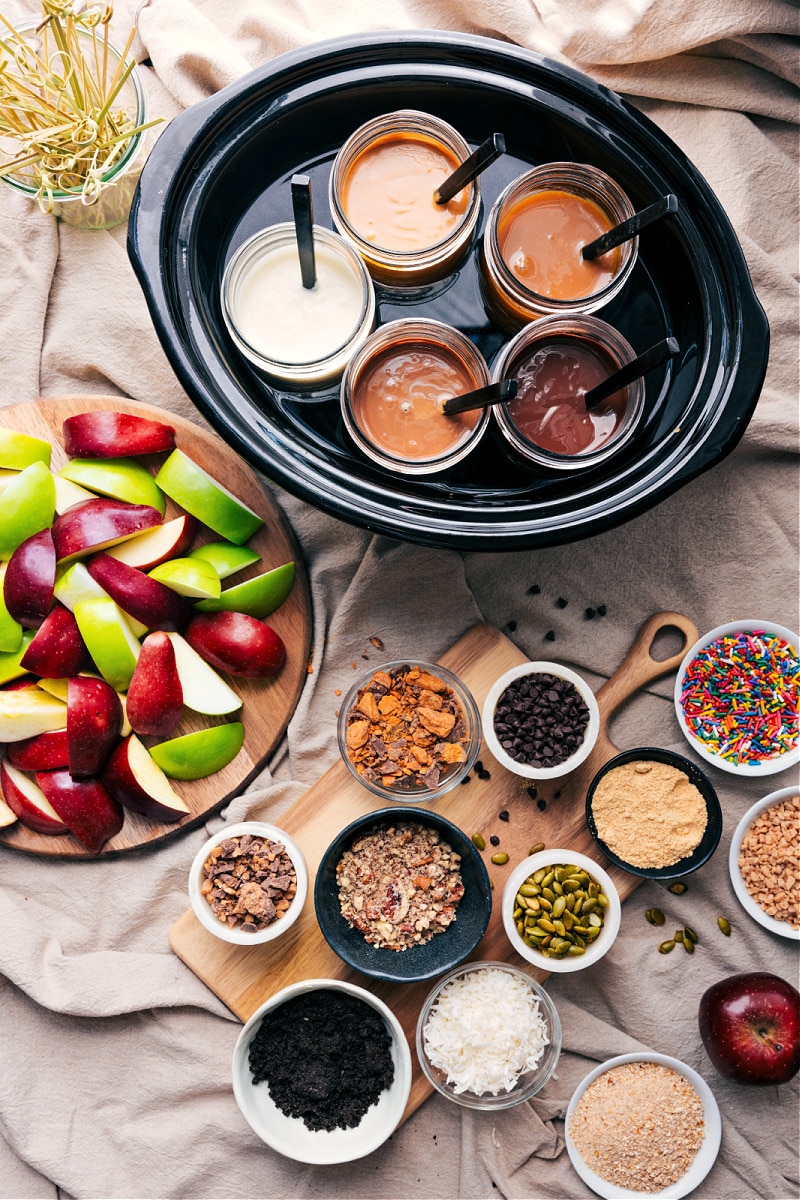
x=528, y=1083
x=404, y=789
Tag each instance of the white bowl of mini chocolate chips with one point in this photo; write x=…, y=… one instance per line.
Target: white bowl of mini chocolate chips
x=248, y=883
x=540, y=720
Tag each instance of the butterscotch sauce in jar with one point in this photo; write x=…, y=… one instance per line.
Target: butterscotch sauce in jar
x=382, y=197
x=394, y=389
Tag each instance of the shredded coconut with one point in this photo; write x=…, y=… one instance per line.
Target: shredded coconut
x=484, y=1031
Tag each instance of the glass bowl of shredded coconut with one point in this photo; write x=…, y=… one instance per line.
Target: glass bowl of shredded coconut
x=488, y=1036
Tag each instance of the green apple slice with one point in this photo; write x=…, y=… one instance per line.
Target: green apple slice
x=55, y=687
x=19, y=450
x=196, y=491
x=119, y=478
x=196, y=755
x=69, y=493
x=27, y=506
x=10, y=630
x=203, y=689
x=76, y=584
x=28, y=712
x=189, y=577
x=258, y=597
x=225, y=558
x=6, y=477
x=109, y=639
x=10, y=662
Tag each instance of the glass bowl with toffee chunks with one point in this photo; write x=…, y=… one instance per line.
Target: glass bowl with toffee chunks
x=248, y=883
x=409, y=731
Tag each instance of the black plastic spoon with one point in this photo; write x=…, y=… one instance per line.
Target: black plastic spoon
x=492, y=393
x=627, y=229
x=633, y=370
x=471, y=167
x=303, y=209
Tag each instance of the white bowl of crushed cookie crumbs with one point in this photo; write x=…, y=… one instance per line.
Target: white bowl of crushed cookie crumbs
x=643, y=1120
x=764, y=862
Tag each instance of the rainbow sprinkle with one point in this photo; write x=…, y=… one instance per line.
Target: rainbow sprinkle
x=739, y=697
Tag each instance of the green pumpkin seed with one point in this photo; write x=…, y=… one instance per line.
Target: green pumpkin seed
x=539, y=875
x=528, y=889
x=537, y=849
x=545, y=904
x=689, y=933
x=501, y=859
x=575, y=951
x=559, y=905
x=655, y=916
x=548, y=893
x=724, y=925
x=688, y=945
x=678, y=889
x=546, y=925
x=666, y=947
x=477, y=840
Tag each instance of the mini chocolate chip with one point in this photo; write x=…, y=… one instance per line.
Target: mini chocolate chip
x=483, y=775
x=588, y=613
x=561, y=602
x=511, y=626
x=494, y=839
x=534, y=590
x=466, y=779
x=503, y=816
x=556, y=795
x=550, y=636
x=532, y=792
x=541, y=805
x=479, y=765
x=601, y=610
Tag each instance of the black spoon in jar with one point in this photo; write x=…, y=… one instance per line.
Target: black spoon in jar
x=654, y=357
x=303, y=209
x=492, y=393
x=628, y=229
x=471, y=168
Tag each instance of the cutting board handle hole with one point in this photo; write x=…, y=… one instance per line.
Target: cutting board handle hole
x=668, y=642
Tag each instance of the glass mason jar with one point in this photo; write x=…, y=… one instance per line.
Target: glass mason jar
x=555, y=361
x=393, y=390
x=418, y=242
x=109, y=203
x=299, y=336
x=531, y=262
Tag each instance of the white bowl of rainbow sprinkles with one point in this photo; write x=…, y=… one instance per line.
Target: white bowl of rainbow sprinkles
x=736, y=697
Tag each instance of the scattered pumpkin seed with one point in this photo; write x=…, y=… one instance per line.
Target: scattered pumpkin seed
x=537, y=848
x=678, y=888
x=655, y=916
x=477, y=840
x=689, y=933
x=724, y=925
x=666, y=947
x=688, y=945
x=500, y=859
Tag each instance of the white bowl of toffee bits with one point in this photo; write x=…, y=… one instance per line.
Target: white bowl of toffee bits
x=654, y=813
x=322, y=1071
x=248, y=883
x=540, y=720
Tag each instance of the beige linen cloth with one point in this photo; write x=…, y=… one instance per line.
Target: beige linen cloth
x=114, y=1058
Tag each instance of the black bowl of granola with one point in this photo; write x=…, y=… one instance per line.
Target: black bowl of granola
x=402, y=894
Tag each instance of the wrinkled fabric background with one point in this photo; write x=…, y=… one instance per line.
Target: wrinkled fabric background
x=114, y=1057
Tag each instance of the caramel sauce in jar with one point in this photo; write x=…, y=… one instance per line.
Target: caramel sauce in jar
x=541, y=239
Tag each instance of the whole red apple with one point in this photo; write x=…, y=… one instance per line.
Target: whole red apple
x=750, y=1026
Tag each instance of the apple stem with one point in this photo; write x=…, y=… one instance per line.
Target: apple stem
x=768, y=1040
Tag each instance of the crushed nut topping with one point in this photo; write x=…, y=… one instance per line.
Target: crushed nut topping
x=399, y=885
x=249, y=882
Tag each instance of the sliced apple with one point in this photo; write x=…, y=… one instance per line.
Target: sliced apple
x=57, y=649
x=139, y=596
x=225, y=557
x=26, y=712
x=155, y=697
x=95, y=524
x=237, y=643
x=196, y=755
x=258, y=597
x=84, y=806
x=94, y=724
x=7, y=816
x=44, y=752
x=11, y=662
x=28, y=802
x=10, y=630
x=6, y=477
x=20, y=450
x=109, y=639
x=30, y=578
x=200, y=494
x=27, y=506
x=69, y=493
x=119, y=478
x=55, y=687
x=75, y=584
x=108, y=434
x=204, y=690
x=138, y=783
x=154, y=546
x=191, y=577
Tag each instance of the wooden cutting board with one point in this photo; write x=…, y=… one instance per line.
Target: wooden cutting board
x=267, y=704
x=244, y=977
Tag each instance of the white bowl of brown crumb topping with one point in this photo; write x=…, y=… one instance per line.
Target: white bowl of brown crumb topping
x=643, y=1125
x=764, y=862
x=248, y=883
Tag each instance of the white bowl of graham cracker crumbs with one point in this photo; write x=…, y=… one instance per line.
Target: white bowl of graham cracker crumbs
x=764, y=862
x=643, y=1119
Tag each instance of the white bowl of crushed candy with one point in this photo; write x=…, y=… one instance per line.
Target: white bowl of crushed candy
x=643, y=1125
x=488, y=1036
x=322, y=1072
x=764, y=862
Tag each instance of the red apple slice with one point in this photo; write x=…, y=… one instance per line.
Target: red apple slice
x=110, y=434
x=134, y=779
x=44, y=752
x=84, y=806
x=30, y=578
x=57, y=649
x=155, y=697
x=237, y=643
x=143, y=598
x=155, y=546
x=95, y=524
x=94, y=722
x=27, y=800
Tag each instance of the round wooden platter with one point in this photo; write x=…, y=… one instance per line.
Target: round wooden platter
x=268, y=704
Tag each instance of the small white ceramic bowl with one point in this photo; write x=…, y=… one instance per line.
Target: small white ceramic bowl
x=769, y=766
x=540, y=668
x=611, y=917
x=201, y=907
x=739, y=886
x=703, y=1160
x=289, y=1135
